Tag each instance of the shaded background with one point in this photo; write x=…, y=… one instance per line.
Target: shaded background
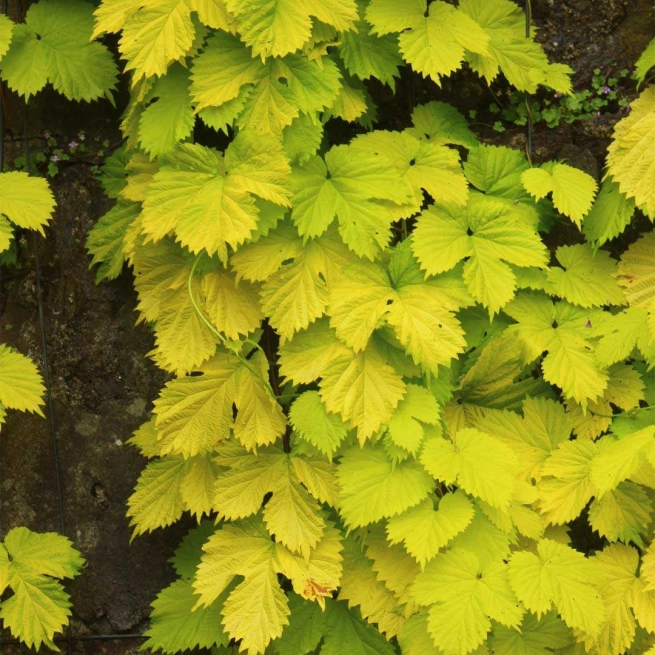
x=103, y=383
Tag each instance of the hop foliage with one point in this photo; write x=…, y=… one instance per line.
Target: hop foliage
x=31, y=567
x=388, y=396
x=52, y=47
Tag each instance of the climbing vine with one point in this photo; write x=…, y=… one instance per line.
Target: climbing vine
x=391, y=396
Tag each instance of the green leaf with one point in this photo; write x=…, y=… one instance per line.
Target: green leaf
x=621, y=333
x=564, y=331
x=317, y=576
x=489, y=543
x=368, y=56
x=181, y=196
x=110, y=16
x=259, y=260
x=220, y=72
x=436, y=44
x=421, y=164
x=26, y=201
x=587, y=278
x=497, y=170
x=183, y=339
x=441, y=123
x=488, y=234
x=637, y=273
x=480, y=464
x=363, y=389
x=279, y=27
x=260, y=420
x=345, y=186
x=361, y=588
x=197, y=488
x=214, y=14
x=256, y=611
x=6, y=32
x=297, y=294
x=573, y=190
x=386, y=16
x=623, y=514
x=242, y=548
x=6, y=234
x=188, y=553
x=258, y=163
x=45, y=553
x=156, y=35
x=521, y=59
x=417, y=407
x=53, y=46
x=393, y=569
x=169, y=119
x=565, y=487
x=25, y=66
x=157, y=498
x=533, y=637
x=373, y=488
x=307, y=355
x=365, y=293
x=288, y=87
x=38, y=609
x=348, y=633
x=618, y=565
x=645, y=62
x=425, y=531
x=194, y=413
x=307, y=626
x=560, y=576
x=352, y=102
x=464, y=596
x=414, y=638
x=21, y=385
x=618, y=459
x=543, y=426
x=232, y=307
x=610, y=214
x=302, y=139
x=106, y=241
x=177, y=625
x=315, y=424
x=292, y=516
x=240, y=490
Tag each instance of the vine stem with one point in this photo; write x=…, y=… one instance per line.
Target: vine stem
x=629, y=411
x=224, y=341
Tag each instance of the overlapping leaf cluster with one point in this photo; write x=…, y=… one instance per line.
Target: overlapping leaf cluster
x=52, y=47
x=389, y=397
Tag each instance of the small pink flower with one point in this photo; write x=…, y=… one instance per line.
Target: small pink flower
x=55, y=159
x=73, y=144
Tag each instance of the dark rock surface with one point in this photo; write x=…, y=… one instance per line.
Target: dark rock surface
x=102, y=389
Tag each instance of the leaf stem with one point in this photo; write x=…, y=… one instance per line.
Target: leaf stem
x=636, y=410
x=224, y=341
